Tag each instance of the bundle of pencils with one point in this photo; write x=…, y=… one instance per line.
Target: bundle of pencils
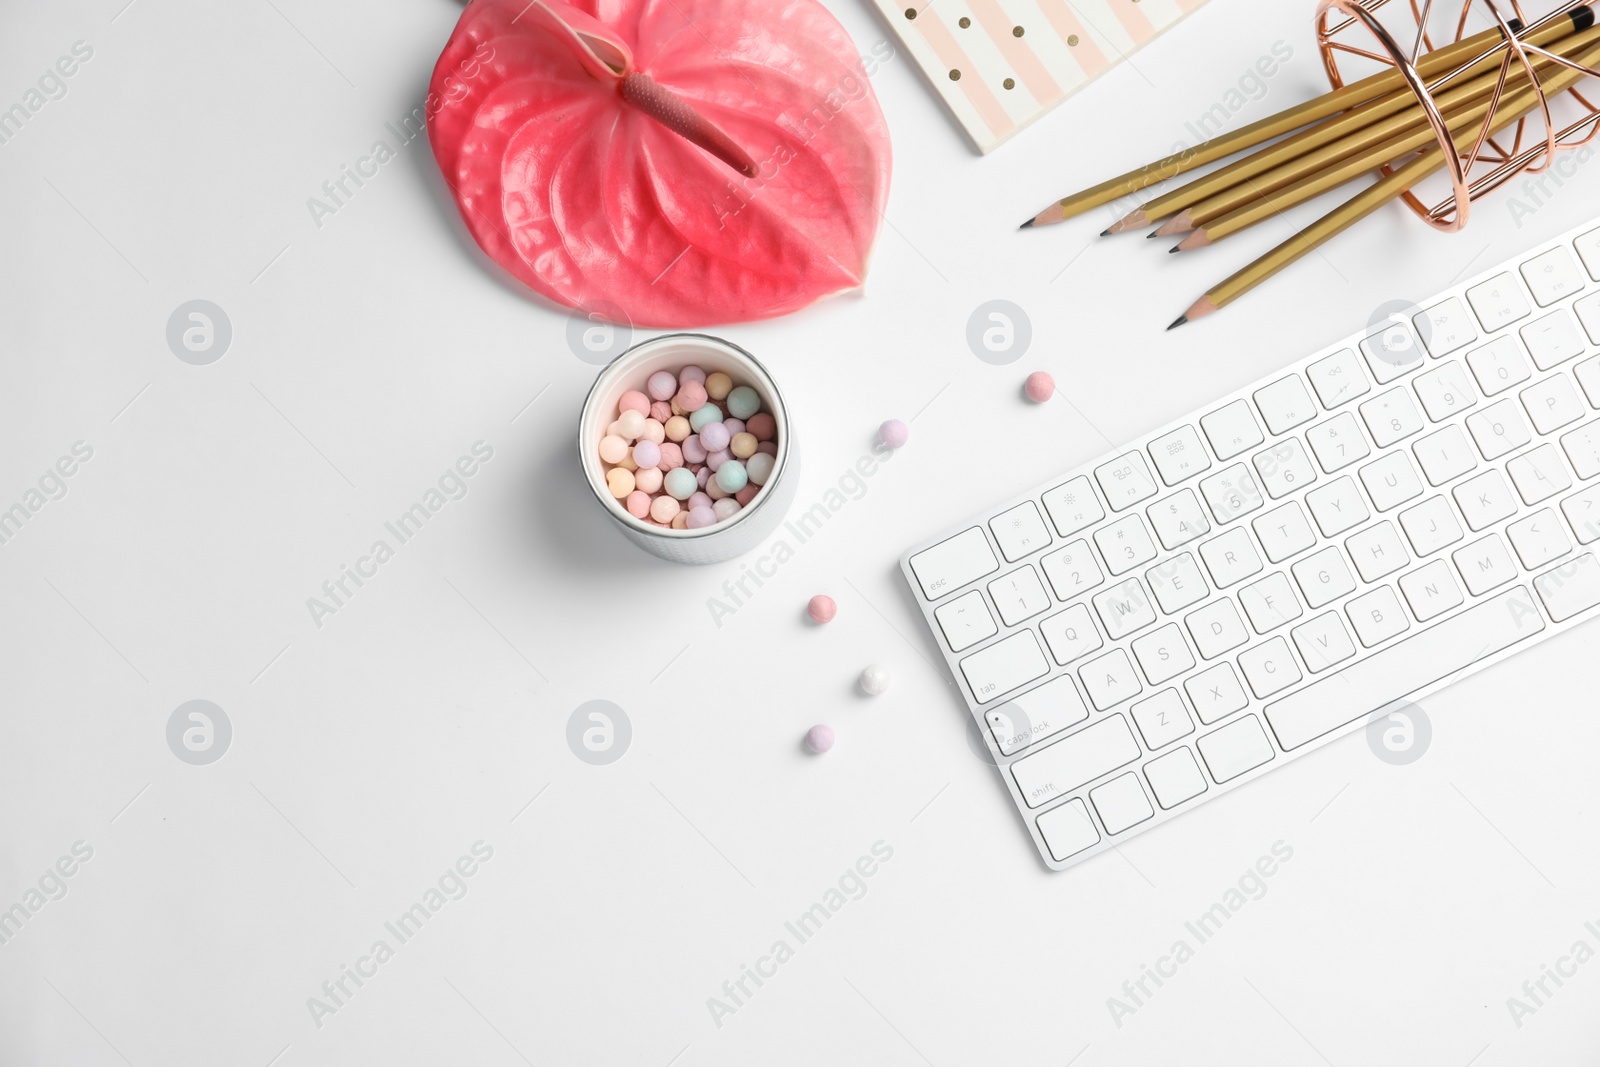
x=1342, y=136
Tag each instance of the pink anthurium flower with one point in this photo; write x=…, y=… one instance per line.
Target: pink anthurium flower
x=665, y=162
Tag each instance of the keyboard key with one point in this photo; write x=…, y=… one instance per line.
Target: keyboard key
x=1178, y=519
x=1539, y=474
x=1073, y=506
x=1484, y=565
x=1391, y=481
x=1588, y=375
x=1393, y=352
x=952, y=563
x=1072, y=570
x=1231, y=493
x=1285, y=404
x=1323, y=642
x=1377, y=551
x=1430, y=590
x=1174, y=778
x=1018, y=595
x=1036, y=715
x=1444, y=455
x=1444, y=391
x=1552, y=276
x=1571, y=588
x=1377, y=616
x=1588, y=310
x=1121, y=803
x=1498, y=429
x=1553, y=339
x=1583, y=514
x=1269, y=667
x=1215, y=692
x=1176, y=583
x=966, y=621
x=1337, y=507
x=1179, y=455
x=1124, y=544
x=1552, y=403
x=1498, y=302
x=1323, y=576
x=1338, y=442
x=1110, y=679
x=1126, y=480
x=1283, y=532
x=1020, y=531
x=1003, y=666
x=1338, y=379
x=1539, y=539
x=1216, y=628
x=1445, y=327
x=1589, y=251
x=1270, y=603
x=1231, y=429
x=1355, y=692
x=1283, y=468
x=1391, y=416
x=1124, y=608
x=1068, y=830
x=1485, y=500
x=1235, y=749
x=1071, y=634
x=1499, y=365
x=1162, y=654
x=1230, y=558
x=1430, y=526
x=1162, y=719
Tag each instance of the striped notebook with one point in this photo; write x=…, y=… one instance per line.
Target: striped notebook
x=1000, y=64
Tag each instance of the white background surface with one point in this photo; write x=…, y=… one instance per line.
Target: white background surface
x=370, y=753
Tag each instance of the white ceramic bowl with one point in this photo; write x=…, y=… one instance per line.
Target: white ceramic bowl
x=754, y=522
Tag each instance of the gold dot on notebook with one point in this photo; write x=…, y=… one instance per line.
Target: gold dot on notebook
x=964, y=22
x=1072, y=40
x=1010, y=83
x=955, y=75
x=911, y=12
x=1016, y=31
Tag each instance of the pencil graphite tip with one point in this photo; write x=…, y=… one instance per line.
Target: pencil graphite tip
x=1175, y=249
x=1179, y=321
x=1153, y=234
x=1026, y=225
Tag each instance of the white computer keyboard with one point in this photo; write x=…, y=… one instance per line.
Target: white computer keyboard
x=1144, y=633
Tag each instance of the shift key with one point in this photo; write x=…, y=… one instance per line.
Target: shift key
x=1076, y=760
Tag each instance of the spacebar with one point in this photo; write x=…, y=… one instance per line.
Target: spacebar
x=1402, y=669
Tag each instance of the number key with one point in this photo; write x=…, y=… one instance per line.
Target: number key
x=1125, y=544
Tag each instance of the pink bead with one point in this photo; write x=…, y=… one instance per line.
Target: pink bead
x=693, y=450
x=819, y=738
x=715, y=437
x=663, y=508
x=691, y=373
x=638, y=504
x=648, y=479
x=715, y=460
x=822, y=608
x=769, y=447
x=633, y=400
x=661, y=386
x=647, y=453
x=762, y=425
x=894, y=433
x=1040, y=387
x=701, y=517
x=661, y=411
x=691, y=396
x=699, y=500
x=671, y=456
x=702, y=476
x=747, y=494
x=734, y=426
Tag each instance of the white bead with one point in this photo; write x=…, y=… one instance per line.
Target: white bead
x=874, y=680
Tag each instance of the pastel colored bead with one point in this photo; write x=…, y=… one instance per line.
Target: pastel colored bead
x=679, y=483
x=769, y=448
x=613, y=448
x=671, y=456
x=743, y=402
x=663, y=508
x=638, y=504
x=620, y=481
x=630, y=423
x=693, y=450
x=718, y=385
x=726, y=508
x=894, y=433
x=699, y=518
x=874, y=680
x=743, y=445
x=627, y=463
x=763, y=425
x=747, y=494
x=1039, y=387
x=715, y=460
x=699, y=500
x=732, y=476
x=691, y=373
x=661, y=411
x=715, y=437
x=653, y=431
x=680, y=521
x=821, y=608
x=702, y=476
x=633, y=400
x=735, y=426
x=661, y=385
x=759, y=467
x=648, y=479
x=691, y=396
x=715, y=491
x=819, y=738
x=704, y=416
x=677, y=428
x=647, y=453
